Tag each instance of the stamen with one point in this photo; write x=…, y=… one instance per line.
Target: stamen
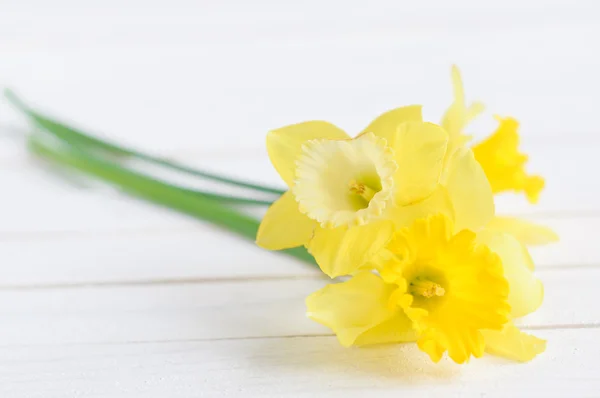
x=362, y=190
x=426, y=288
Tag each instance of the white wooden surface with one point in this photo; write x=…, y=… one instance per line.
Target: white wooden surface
x=104, y=296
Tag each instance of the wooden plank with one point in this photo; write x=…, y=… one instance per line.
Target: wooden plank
x=196, y=251
x=217, y=310
x=191, y=250
x=574, y=249
x=293, y=367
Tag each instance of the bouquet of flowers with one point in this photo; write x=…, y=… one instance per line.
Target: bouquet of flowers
x=401, y=216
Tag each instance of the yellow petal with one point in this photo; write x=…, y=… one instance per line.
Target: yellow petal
x=397, y=329
x=438, y=203
x=284, y=226
x=454, y=118
x=386, y=124
x=352, y=308
x=504, y=164
x=343, y=250
x=474, y=110
x=526, y=291
x=457, y=85
x=469, y=192
x=526, y=232
x=419, y=150
x=513, y=344
x=458, y=114
x=285, y=144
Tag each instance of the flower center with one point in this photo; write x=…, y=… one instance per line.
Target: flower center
x=426, y=288
x=362, y=190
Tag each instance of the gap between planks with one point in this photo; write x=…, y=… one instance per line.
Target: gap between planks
x=216, y=280
x=226, y=310
x=34, y=236
x=557, y=327
x=163, y=282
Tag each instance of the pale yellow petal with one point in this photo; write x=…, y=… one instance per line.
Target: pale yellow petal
x=513, y=344
x=526, y=291
x=386, y=124
x=285, y=144
x=526, y=232
x=353, y=307
x=454, y=120
x=343, y=250
x=419, y=150
x=397, y=329
x=469, y=192
x=457, y=85
x=438, y=203
x=474, y=110
x=284, y=226
x=459, y=114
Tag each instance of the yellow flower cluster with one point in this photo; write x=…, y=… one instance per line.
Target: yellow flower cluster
x=405, y=209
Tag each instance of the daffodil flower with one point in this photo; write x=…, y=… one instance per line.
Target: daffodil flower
x=347, y=195
x=501, y=161
x=449, y=292
x=504, y=164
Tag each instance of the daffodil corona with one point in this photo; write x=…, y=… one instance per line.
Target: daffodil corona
x=358, y=177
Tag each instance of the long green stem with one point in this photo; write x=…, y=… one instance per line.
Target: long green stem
x=226, y=198
x=156, y=191
x=78, y=138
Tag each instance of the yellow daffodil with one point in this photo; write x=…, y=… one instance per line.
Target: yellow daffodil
x=346, y=195
x=504, y=164
x=449, y=292
x=450, y=288
x=501, y=161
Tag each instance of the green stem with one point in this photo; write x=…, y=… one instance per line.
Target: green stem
x=225, y=198
x=79, y=138
x=158, y=192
